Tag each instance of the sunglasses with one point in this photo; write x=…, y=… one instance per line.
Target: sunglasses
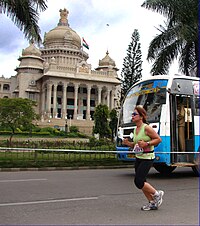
x=134, y=114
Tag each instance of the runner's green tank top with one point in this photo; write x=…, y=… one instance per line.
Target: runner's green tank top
x=142, y=136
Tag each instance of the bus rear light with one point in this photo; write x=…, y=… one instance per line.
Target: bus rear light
x=154, y=126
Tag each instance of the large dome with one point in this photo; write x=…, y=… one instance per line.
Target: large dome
x=62, y=35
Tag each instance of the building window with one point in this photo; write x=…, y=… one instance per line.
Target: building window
x=70, y=89
x=70, y=114
x=84, y=102
x=92, y=103
x=59, y=100
x=6, y=87
x=59, y=88
x=32, y=96
x=92, y=115
x=93, y=91
x=70, y=101
x=84, y=90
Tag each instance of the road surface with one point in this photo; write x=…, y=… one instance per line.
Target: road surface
x=100, y=196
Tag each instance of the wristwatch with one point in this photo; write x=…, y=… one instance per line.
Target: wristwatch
x=148, y=142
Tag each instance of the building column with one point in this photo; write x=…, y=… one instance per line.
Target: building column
x=80, y=101
x=88, y=102
x=42, y=103
x=49, y=89
x=108, y=98
x=99, y=94
x=55, y=101
x=112, y=99
x=75, y=100
x=64, y=102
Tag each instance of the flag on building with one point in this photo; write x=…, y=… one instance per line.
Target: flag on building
x=85, y=44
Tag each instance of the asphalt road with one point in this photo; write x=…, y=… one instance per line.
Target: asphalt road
x=101, y=196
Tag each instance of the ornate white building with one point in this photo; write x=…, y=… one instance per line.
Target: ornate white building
x=61, y=81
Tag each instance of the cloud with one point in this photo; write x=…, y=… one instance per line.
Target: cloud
x=89, y=18
x=10, y=36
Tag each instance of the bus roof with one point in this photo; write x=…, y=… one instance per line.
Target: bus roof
x=161, y=77
x=169, y=77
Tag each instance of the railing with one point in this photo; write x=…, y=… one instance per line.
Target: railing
x=31, y=157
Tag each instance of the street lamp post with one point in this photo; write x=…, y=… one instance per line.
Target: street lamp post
x=70, y=120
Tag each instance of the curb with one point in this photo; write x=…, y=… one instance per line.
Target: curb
x=64, y=168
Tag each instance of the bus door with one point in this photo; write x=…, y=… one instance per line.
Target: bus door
x=182, y=128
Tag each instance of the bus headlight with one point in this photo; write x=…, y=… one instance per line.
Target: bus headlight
x=157, y=158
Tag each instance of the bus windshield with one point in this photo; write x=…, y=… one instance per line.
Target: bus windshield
x=150, y=94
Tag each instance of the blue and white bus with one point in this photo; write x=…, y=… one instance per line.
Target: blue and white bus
x=173, y=109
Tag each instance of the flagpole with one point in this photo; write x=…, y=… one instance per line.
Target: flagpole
x=84, y=44
x=107, y=26
x=82, y=51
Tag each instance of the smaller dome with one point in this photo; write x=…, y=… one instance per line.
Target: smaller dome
x=31, y=50
x=107, y=61
x=31, y=58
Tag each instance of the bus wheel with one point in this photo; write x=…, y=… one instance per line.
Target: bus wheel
x=164, y=169
x=196, y=170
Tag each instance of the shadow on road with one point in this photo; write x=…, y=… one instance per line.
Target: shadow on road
x=177, y=173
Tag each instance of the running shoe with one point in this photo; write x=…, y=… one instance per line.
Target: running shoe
x=158, y=198
x=149, y=206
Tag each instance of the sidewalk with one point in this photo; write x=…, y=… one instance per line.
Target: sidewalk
x=63, y=168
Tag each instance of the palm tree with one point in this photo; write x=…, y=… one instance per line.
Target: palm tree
x=178, y=38
x=25, y=14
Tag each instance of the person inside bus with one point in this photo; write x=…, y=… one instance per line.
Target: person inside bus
x=181, y=124
x=145, y=138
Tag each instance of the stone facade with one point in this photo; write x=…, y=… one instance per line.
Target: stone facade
x=58, y=77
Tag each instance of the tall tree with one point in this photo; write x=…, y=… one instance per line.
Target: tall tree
x=25, y=14
x=113, y=122
x=16, y=112
x=132, y=65
x=101, y=125
x=178, y=38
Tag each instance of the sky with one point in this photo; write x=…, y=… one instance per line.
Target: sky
x=90, y=19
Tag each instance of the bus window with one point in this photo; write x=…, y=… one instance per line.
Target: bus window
x=153, y=105
x=150, y=94
x=197, y=106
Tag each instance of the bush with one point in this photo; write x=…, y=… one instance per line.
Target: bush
x=47, y=129
x=5, y=132
x=36, y=129
x=18, y=130
x=73, y=129
x=27, y=133
x=92, y=141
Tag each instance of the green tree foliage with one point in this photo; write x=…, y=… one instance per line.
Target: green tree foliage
x=113, y=122
x=25, y=15
x=132, y=65
x=101, y=125
x=177, y=39
x=16, y=113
